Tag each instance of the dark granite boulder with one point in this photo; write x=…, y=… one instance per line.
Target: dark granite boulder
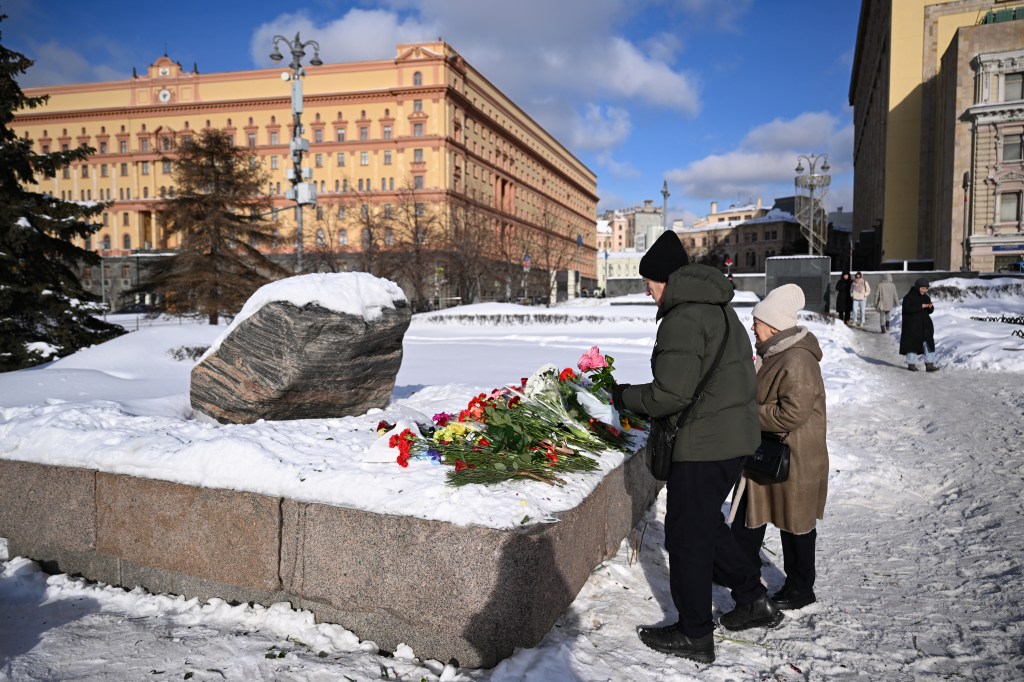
x=308, y=362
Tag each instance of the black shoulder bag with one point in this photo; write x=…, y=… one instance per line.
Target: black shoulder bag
x=661, y=439
x=770, y=462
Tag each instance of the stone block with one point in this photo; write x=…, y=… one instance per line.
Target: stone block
x=222, y=535
x=334, y=365
x=451, y=591
x=47, y=507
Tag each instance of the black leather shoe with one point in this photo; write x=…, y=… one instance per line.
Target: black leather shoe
x=789, y=600
x=762, y=612
x=671, y=640
x=929, y=367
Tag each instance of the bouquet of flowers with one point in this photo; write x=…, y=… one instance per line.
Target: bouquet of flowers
x=537, y=429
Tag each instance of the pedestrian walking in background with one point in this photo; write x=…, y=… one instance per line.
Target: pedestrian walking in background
x=790, y=404
x=844, y=299
x=917, y=337
x=710, y=446
x=886, y=300
x=859, y=292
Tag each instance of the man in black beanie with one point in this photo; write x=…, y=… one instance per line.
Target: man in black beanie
x=718, y=433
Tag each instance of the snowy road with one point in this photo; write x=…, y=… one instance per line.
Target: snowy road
x=920, y=551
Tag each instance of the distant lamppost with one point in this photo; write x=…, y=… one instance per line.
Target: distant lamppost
x=966, y=264
x=664, y=205
x=302, y=193
x=816, y=185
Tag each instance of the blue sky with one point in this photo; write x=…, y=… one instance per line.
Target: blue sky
x=716, y=96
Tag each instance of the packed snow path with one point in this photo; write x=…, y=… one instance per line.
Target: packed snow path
x=919, y=575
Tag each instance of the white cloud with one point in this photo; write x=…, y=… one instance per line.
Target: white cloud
x=618, y=169
x=764, y=163
x=360, y=35
x=600, y=128
x=56, y=65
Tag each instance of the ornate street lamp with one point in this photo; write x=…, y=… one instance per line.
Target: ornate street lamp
x=664, y=205
x=302, y=193
x=813, y=185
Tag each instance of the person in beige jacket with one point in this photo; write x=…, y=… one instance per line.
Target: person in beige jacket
x=886, y=299
x=791, y=403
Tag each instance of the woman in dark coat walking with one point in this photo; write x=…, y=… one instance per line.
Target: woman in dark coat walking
x=918, y=334
x=844, y=298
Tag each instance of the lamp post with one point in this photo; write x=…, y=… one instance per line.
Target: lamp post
x=966, y=265
x=664, y=204
x=816, y=185
x=302, y=193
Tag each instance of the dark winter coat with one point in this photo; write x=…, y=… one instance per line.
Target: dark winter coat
x=844, y=299
x=917, y=323
x=723, y=424
x=791, y=399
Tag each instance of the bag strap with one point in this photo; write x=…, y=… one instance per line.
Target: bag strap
x=707, y=377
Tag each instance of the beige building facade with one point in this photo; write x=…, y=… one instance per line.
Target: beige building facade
x=912, y=81
x=424, y=124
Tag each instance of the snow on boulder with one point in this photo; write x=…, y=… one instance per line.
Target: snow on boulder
x=306, y=347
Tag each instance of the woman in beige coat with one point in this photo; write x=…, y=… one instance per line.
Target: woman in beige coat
x=791, y=403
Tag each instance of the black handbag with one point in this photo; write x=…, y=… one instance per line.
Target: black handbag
x=770, y=462
x=661, y=439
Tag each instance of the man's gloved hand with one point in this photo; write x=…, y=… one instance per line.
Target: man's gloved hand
x=617, y=395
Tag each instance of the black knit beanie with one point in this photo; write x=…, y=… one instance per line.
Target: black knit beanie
x=664, y=257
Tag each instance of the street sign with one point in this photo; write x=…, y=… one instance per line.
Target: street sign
x=728, y=262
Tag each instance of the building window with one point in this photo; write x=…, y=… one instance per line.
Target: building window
x=274, y=163
x=417, y=156
x=124, y=220
x=417, y=130
x=85, y=171
x=318, y=160
x=251, y=139
x=417, y=182
x=383, y=184
x=420, y=209
x=1013, y=87
x=417, y=105
x=144, y=145
x=123, y=145
x=417, y=78
x=344, y=185
x=387, y=211
x=360, y=184
x=145, y=167
x=318, y=135
x=66, y=173
x=341, y=134
x=364, y=158
x=103, y=148
x=341, y=159
x=104, y=172
x=364, y=133
x=343, y=237
x=106, y=243
x=126, y=241
x=275, y=138
x=1009, y=207
x=166, y=167
x=145, y=192
x=389, y=237
x=341, y=212
x=387, y=157
x=124, y=170
x=387, y=132
x=364, y=211
x=1012, y=147
x=391, y=183
x=166, y=144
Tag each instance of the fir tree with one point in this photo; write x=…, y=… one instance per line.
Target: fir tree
x=220, y=215
x=44, y=310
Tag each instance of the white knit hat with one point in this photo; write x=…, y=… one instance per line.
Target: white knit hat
x=778, y=309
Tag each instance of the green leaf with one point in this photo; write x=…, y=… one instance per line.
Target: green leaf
x=500, y=467
x=525, y=519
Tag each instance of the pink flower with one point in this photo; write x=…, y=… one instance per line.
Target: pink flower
x=592, y=359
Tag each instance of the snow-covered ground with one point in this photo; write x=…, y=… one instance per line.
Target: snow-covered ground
x=919, y=575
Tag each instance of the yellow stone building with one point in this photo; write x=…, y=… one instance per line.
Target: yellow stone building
x=937, y=111
x=424, y=124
